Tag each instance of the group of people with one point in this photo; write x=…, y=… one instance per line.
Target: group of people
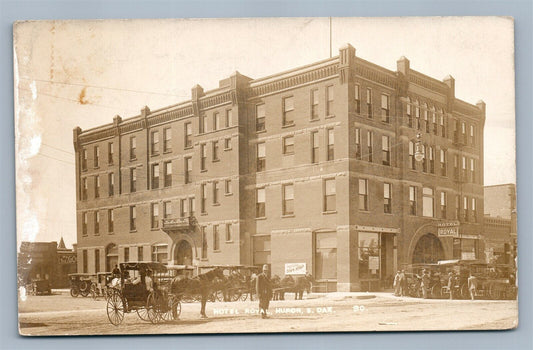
x=400, y=284
x=144, y=277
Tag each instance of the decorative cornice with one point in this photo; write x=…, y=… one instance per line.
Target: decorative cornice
x=375, y=75
x=427, y=82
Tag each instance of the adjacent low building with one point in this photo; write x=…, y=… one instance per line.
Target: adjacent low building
x=318, y=167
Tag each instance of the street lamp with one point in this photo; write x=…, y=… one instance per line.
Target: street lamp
x=419, y=149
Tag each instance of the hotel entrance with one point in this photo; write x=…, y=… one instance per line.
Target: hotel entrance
x=376, y=260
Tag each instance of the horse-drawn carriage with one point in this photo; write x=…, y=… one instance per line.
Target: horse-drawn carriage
x=80, y=283
x=101, y=286
x=238, y=283
x=144, y=289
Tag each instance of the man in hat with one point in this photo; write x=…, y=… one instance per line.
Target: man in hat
x=264, y=290
x=425, y=283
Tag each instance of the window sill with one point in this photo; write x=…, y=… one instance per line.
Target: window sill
x=216, y=251
x=110, y=164
x=203, y=170
x=289, y=125
x=154, y=229
x=328, y=212
x=228, y=194
x=154, y=154
x=167, y=151
x=366, y=211
x=133, y=159
x=111, y=233
x=216, y=204
x=260, y=131
x=203, y=259
x=329, y=116
x=261, y=218
x=96, y=167
x=133, y=231
x=229, y=242
x=227, y=149
x=216, y=160
x=203, y=214
x=288, y=154
x=288, y=216
x=314, y=119
x=188, y=148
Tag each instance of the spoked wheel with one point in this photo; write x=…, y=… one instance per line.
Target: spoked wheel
x=244, y=296
x=143, y=314
x=74, y=292
x=115, y=309
x=219, y=295
x=85, y=288
x=235, y=295
x=173, y=309
x=154, y=308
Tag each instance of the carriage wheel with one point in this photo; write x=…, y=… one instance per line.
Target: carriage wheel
x=173, y=309
x=74, y=292
x=244, y=296
x=436, y=291
x=143, y=314
x=235, y=295
x=115, y=309
x=94, y=291
x=212, y=297
x=154, y=308
x=219, y=295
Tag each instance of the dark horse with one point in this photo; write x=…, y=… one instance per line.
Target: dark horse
x=202, y=285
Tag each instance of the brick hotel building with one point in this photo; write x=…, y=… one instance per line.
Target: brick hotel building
x=314, y=165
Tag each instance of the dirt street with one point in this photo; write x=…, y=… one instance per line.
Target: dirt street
x=60, y=314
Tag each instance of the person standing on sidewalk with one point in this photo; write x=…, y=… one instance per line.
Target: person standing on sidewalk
x=396, y=284
x=425, y=284
x=264, y=291
x=403, y=283
x=472, y=285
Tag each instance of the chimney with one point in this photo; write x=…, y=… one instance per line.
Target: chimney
x=402, y=65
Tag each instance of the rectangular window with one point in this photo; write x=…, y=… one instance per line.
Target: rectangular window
x=192, y=206
x=427, y=202
x=140, y=253
x=160, y=253
x=85, y=261
x=96, y=222
x=288, y=110
x=288, y=145
x=228, y=233
x=473, y=209
x=96, y=156
x=325, y=257
x=314, y=104
x=442, y=124
x=387, y=202
x=457, y=206
x=168, y=174
x=331, y=144
x=443, y=201
x=456, y=166
x=409, y=114
x=110, y=220
x=227, y=187
x=133, y=148
x=288, y=199
x=261, y=156
x=330, y=97
x=443, y=162
x=412, y=162
x=110, y=153
x=472, y=135
x=260, y=118
x=465, y=208
x=203, y=157
x=154, y=143
x=357, y=95
x=188, y=170
x=202, y=124
x=216, y=121
x=155, y=176
x=215, y=151
x=167, y=210
x=229, y=117
x=216, y=238
x=84, y=159
x=431, y=156
x=417, y=116
x=412, y=200
x=434, y=122
x=463, y=171
x=425, y=160
x=126, y=254
x=204, y=243
x=363, y=194
x=133, y=218
x=315, y=147
x=97, y=260
x=227, y=143
x=426, y=121
x=84, y=189
x=84, y=224
x=154, y=215
x=203, y=200
x=183, y=208
x=472, y=170
x=369, y=102
x=330, y=195
x=369, y=144
x=260, y=203
x=369, y=255
x=357, y=143
x=215, y=192
x=133, y=180
x=167, y=140
x=97, y=186
x=188, y=135
x=385, y=109
x=111, y=184
x=385, y=149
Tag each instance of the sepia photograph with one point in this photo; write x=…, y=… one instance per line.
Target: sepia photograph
x=265, y=175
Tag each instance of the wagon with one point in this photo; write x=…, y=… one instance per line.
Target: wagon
x=39, y=287
x=237, y=284
x=134, y=294
x=80, y=283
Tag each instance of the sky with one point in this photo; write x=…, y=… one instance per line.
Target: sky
x=83, y=73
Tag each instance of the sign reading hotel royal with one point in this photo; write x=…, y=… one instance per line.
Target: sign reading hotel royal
x=180, y=165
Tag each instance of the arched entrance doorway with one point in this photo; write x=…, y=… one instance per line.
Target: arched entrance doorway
x=183, y=253
x=428, y=250
x=111, y=257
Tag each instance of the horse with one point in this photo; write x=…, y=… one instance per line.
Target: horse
x=201, y=285
x=303, y=283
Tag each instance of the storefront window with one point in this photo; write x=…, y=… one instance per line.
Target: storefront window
x=326, y=255
x=468, y=249
x=369, y=257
